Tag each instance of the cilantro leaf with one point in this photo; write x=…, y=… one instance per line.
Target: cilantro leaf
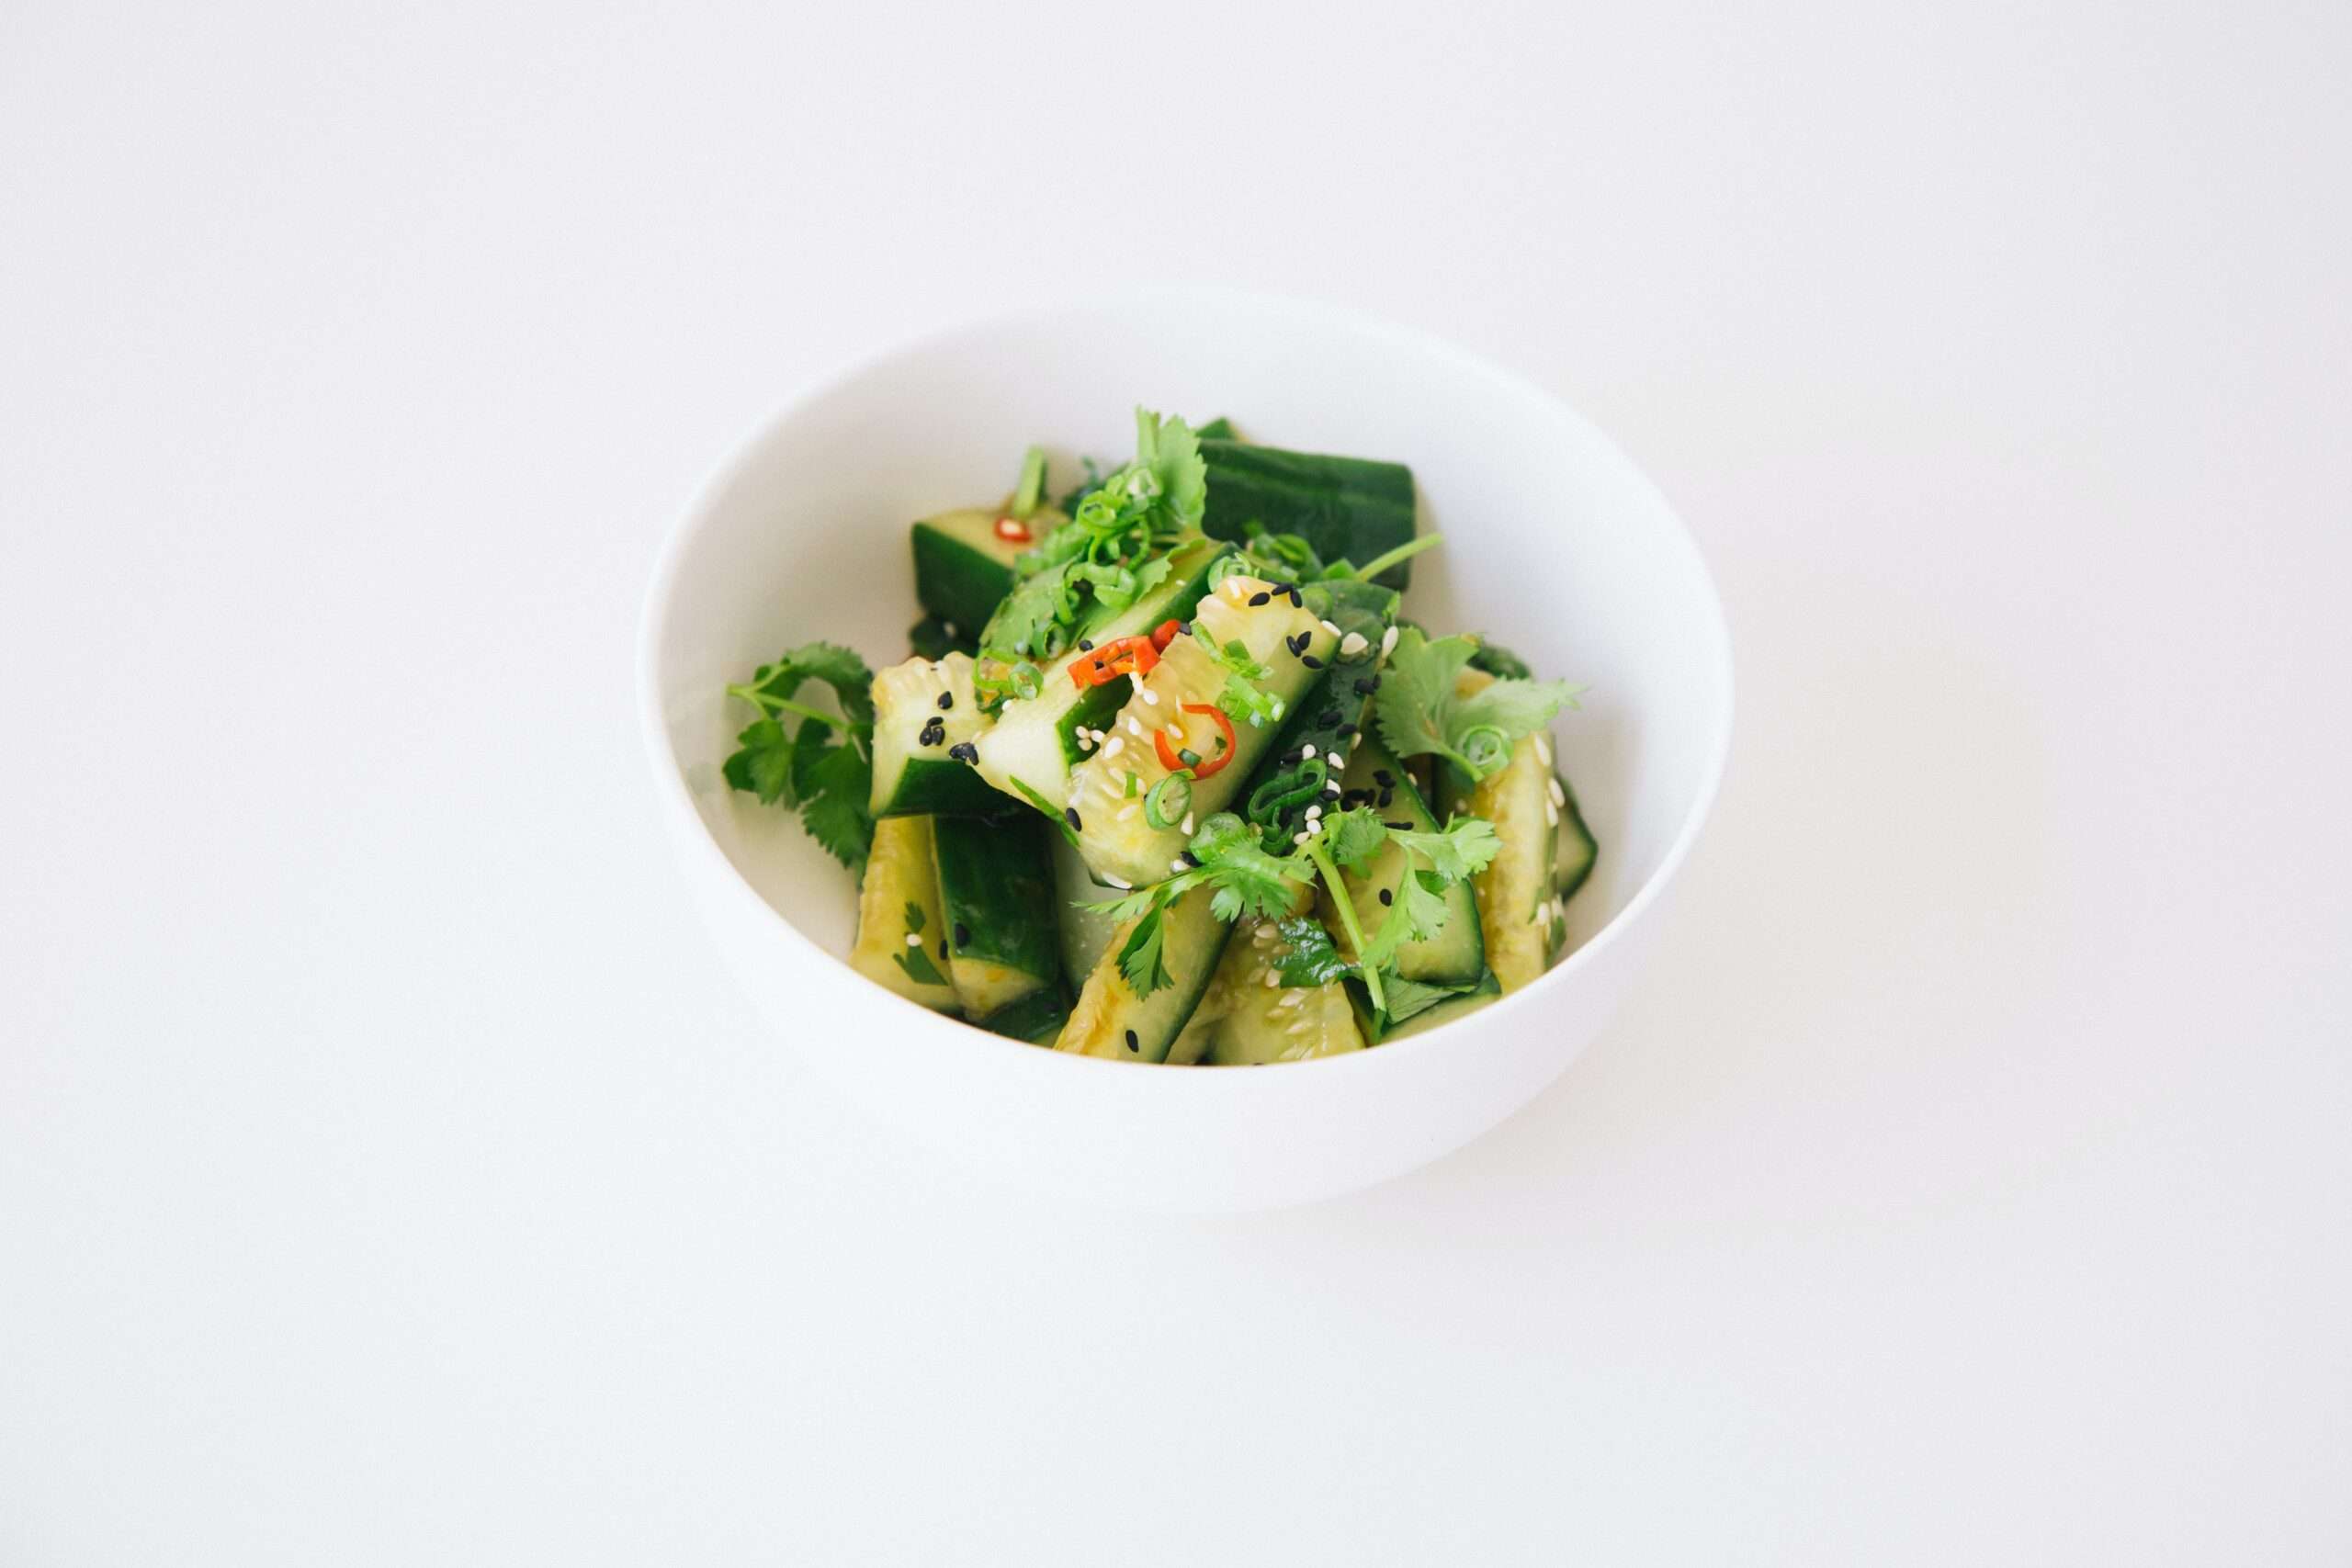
x=1422, y=714
x=919, y=967
x=1309, y=957
x=915, y=916
x=1351, y=837
x=1465, y=847
x=1172, y=454
x=762, y=764
x=836, y=807
x=1410, y=999
x=1140, y=963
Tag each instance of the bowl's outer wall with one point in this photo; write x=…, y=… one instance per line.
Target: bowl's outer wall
x=1556, y=545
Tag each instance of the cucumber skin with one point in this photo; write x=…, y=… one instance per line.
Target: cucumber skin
x=942, y=788
x=1470, y=1000
x=995, y=881
x=1036, y=1018
x=1347, y=508
x=956, y=582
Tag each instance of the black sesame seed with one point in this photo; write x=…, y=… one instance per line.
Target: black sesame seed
x=1133, y=1044
x=1383, y=778
x=1400, y=827
x=965, y=752
x=1257, y=599
x=1310, y=661
x=1191, y=859
x=1284, y=587
x=934, y=732
x=1348, y=729
x=1069, y=814
x=1296, y=602
x=946, y=700
x=1386, y=897
x=962, y=934
x=1297, y=645
x=1365, y=686
x=943, y=947
x=1085, y=646
x=1185, y=629
x=1386, y=795
x=1329, y=718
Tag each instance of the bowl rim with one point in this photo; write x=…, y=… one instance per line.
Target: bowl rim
x=669, y=778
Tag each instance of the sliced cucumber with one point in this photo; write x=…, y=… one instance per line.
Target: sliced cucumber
x=1347, y=508
x=964, y=563
x=1128, y=828
x=1579, y=848
x=1029, y=752
x=1111, y=1020
x=901, y=935
x=1085, y=932
x=995, y=891
x=1415, y=1011
x=1252, y=1022
x=1515, y=892
x=922, y=711
x=1456, y=953
x=1037, y=1018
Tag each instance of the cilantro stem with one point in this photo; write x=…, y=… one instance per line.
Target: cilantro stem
x=1403, y=552
x=1347, y=907
x=783, y=705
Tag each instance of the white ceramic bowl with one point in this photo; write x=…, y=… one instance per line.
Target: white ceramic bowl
x=1554, y=545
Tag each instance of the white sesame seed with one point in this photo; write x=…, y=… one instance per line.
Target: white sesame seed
x=1186, y=825
x=1307, y=753
x=1300, y=838
x=1150, y=697
x=1272, y=979
x=1263, y=936
x=1121, y=883
x=1336, y=760
x=913, y=940
x=1177, y=867
x=1128, y=810
x=1544, y=750
x=1314, y=811
x=1297, y=997
x=1133, y=726
x=1389, y=642
x=1085, y=741
x=1551, y=814
x=1559, y=796
x=1352, y=644
x=1297, y=1028
x=1113, y=746
x=1335, y=631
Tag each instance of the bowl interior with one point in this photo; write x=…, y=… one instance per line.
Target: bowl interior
x=1555, y=546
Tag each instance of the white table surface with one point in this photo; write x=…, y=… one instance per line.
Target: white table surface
x=388, y=1173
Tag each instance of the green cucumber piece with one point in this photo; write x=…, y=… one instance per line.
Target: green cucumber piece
x=1579, y=848
x=1034, y=742
x=1037, y=1018
x=901, y=931
x=964, y=567
x=1329, y=719
x=1111, y=1020
x=1347, y=508
x=1085, y=932
x=1417, y=1009
x=1517, y=910
x=1456, y=953
x=1108, y=791
x=995, y=891
x=1218, y=429
x=915, y=771
x=1243, y=1022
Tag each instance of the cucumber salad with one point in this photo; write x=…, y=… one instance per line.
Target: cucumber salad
x=1169, y=777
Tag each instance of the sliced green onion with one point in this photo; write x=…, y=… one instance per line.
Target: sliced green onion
x=1169, y=800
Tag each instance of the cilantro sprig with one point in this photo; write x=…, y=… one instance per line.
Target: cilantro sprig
x=822, y=765
x=1422, y=714
x=1248, y=879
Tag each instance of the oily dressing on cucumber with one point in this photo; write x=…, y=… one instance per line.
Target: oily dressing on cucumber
x=902, y=932
x=923, y=711
x=1111, y=1020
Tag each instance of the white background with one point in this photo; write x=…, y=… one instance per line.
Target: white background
x=387, y=1174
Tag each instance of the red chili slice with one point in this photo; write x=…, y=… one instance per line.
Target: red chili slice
x=1165, y=633
x=1014, y=531
x=1127, y=656
x=1209, y=766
